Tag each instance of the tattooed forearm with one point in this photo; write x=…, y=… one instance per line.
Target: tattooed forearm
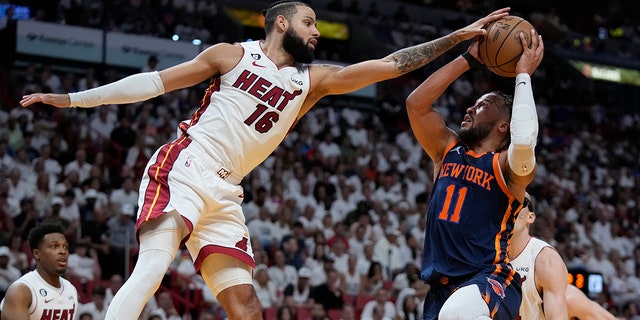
x=409, y=59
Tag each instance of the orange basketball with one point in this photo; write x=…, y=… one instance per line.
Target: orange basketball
x=500, y=49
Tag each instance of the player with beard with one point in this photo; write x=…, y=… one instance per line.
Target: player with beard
x=481, y=173
x=258, y=91
x=43, y=293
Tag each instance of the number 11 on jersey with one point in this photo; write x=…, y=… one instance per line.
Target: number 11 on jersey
x=455, y=216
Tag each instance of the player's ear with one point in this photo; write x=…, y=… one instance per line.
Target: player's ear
x=36, y=254
x=281, y=22
x=504, y=126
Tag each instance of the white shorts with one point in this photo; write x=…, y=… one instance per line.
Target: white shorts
x=180, y=176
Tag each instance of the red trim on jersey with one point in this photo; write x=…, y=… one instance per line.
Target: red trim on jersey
x=211, y=249
x=156, y=196
x=214, y=86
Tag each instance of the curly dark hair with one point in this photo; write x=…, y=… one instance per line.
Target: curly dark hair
x=38, y=232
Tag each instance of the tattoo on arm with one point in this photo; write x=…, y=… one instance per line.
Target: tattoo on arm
x=328, y=66
x=412, y=58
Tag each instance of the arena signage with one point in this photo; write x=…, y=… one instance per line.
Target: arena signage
x=130, y=50
x=59, y=41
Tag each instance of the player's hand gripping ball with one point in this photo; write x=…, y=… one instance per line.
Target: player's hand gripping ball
x=500, y=49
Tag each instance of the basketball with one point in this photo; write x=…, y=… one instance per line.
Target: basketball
x=500, y=49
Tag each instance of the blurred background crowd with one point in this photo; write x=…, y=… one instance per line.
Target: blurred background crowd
x=336, y=213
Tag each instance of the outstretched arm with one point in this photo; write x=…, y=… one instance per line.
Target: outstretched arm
x=551, y=275
x=142, y=86
x=583, y=308
x=330, y=80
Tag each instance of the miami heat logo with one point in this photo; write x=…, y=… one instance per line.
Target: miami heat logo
x=497, y=287
x=243, y=243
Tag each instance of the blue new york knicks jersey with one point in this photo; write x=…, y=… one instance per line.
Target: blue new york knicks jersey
x=470, y=216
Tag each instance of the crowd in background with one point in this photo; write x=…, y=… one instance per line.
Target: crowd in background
x=336, y=213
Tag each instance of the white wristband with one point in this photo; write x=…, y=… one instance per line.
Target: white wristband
x=134, y=88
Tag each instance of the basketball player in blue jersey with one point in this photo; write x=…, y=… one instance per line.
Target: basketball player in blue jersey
x=43, y=293
x=481, y=173
x=190, y=191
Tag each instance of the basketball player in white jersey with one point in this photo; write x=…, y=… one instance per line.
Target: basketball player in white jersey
x=258, y=91
x=43, y=293
x=544, y=274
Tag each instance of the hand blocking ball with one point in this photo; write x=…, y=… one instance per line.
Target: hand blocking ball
x=500, y=49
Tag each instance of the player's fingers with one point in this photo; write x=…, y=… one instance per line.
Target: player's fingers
x=27, y=100
x=540, y=44
x=500, y=11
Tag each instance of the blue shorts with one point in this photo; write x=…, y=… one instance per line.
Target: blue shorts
x=502, y=299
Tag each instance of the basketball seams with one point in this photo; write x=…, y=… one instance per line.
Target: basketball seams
x=500, y=49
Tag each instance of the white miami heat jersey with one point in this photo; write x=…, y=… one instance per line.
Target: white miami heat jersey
x=524, y=264
x=49, y=302
x=247, y=112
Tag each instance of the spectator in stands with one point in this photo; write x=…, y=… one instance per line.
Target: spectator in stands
x=126, y=194
x=19, y=188
x=152, y=64
x=382, y=300
x=8, y=273
x=84, y=266
x=101, y=125
x=280, y=273
x=122, y=238
x=387, y=252
x=19, y=258
x=70, y=211
x=96, y=307
x=51, y=165
x=50, y=81
x=96, y=233
x=598, y=262
x=352, y=283
x=139, y=154
x=297, y=294
x=263, y=229
x=406, y=278
x=266, y=290
x=115, y=283
x=124, y=137
x=54, y=217
x=25, y=220
x=329, y=294
x=338, y=251
x=166, y=307
x=285, y=312
x=80, y=165
x=294, y=246
x=373, y=280
x=320, y=268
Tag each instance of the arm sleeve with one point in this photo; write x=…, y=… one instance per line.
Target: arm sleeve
x=524, y=127
x=134, y=88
